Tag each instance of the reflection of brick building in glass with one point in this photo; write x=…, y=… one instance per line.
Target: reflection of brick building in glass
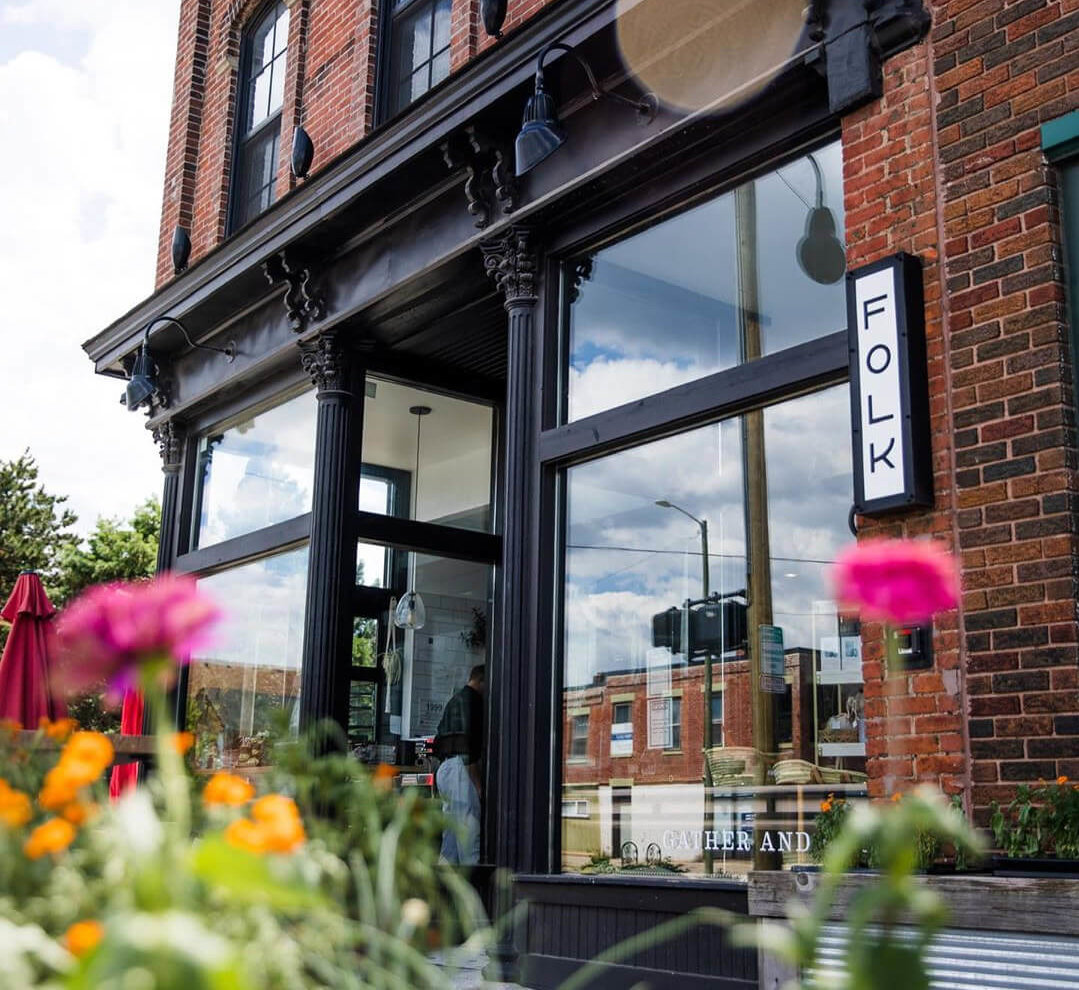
x=635, y=760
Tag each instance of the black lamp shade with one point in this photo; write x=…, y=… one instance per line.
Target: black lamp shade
x=820, y=253
x=142, y=383
x=303, y=152
x=541, y=133
x=181, y=249
x=494, y=16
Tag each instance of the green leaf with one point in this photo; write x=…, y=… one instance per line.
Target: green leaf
x=248, y=877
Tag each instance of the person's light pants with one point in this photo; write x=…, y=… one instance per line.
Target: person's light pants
x=461, y=802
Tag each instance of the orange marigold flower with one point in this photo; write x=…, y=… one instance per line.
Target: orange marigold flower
x=227, y=788
x=279, y=820
x=83, y=936
x=383, y=776
x=15, y=807
x=56, y=793
x=897, y=797
x=58, y=730
x=10, y=725
x=826, y=806
x=182, y=742
x=53, y=836
x=245, y=834
x=1062, y=780
x=78, y=812
x=89, y=747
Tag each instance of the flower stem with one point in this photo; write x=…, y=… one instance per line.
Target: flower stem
x=173, y=777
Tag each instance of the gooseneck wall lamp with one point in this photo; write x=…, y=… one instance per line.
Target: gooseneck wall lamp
x=143, y=383
x=821, y=254
x=541, y=131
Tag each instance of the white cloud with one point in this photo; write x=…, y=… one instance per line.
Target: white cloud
x=80, y=198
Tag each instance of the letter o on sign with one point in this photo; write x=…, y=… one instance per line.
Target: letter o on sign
x=878, y=364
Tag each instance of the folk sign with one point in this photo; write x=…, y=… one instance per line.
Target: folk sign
x=889, y=389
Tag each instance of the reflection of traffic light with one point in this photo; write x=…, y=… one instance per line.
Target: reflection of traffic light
x=713, y=626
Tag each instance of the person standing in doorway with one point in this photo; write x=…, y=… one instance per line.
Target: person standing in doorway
x=459, y=744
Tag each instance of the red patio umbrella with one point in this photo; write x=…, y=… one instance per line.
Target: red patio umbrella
x=25, y=692
x=126, y=775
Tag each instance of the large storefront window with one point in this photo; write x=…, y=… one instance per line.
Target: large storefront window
x=671, y=303
x=448, y=438
x=246, y=686
x=255, y=472
x=711, y=688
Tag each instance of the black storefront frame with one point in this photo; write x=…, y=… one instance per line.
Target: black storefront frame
x=787, y=374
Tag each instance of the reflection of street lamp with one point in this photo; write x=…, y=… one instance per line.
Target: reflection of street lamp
x=703, y=524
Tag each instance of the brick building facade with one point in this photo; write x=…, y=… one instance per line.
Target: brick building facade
x=573, y=305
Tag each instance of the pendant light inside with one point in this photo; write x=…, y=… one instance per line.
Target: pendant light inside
x=411, y=613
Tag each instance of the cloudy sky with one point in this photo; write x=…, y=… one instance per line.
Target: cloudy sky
x=85, y=92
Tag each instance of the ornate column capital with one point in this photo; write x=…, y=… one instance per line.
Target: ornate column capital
x=169, y=437
x=326, y=361
x=512, y=262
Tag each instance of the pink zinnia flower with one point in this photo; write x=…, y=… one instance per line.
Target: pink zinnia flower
x=898, y=581
x=117, y=632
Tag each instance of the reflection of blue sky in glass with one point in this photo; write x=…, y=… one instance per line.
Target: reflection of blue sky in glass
x=661, y=307
x=259, y=472
x=628, y=559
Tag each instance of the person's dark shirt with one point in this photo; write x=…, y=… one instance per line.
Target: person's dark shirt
x=460, y=730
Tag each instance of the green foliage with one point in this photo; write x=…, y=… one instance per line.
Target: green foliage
x=832, y=820
x=833, y=813
x=1039, y=821
x=881, y=953
x=114, y=551
x=91, y=712
x=34, y=525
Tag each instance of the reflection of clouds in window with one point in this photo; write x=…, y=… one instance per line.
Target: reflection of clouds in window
x=259, y=472
x=628, y=559
x=661, y=307
x=810, y=490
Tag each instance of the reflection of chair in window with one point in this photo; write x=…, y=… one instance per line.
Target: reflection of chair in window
x=732, y=766
x=629, y=853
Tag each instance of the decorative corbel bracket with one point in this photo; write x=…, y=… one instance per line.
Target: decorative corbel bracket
x=856, y=36
x=512, y=262
x=489, y=182
x=582, y=272
x=303, y=302
x=170, y=444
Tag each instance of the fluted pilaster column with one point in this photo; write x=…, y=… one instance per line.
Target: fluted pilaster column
x=169, y=438
x=331, y=572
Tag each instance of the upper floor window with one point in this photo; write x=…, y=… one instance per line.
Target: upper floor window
x=262, y=91
x=418, y=49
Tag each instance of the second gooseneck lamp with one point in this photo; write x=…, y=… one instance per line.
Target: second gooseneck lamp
x=541, y=131
x=143, y=383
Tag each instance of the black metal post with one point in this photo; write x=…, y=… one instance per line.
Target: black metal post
x=512, y=263
x=331, y=569
x=170, y=443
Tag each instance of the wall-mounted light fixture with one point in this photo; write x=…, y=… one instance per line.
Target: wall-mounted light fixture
x=820, y=252
x=493, y=13
x=541, y=132
x=303, y=152
x=143, y=383
x=181, y=249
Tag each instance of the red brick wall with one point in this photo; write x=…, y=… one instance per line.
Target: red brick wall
x=330, y=90
x=1000, y=706
x=1000, y=70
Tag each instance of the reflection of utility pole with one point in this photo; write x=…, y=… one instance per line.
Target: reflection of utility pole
x=759, y=584
x=703, y=524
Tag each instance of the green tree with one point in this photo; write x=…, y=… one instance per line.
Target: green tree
x=114, y=551
x=34, y=525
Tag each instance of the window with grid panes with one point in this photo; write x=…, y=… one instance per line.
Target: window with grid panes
x=262, y=90
x=418, y=50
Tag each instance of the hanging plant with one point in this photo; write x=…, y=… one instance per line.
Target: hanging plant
x=476, y=637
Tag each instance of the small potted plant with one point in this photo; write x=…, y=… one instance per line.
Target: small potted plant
x=1038, y=831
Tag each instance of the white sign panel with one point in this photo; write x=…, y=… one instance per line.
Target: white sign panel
x=889, y=389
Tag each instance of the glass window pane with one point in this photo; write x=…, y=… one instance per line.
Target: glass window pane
x=711, y=660
x=260, y=98
x=442, y=25
x=246, y=686
x=453, y=487
x=420, y=81
x=721, y=283
x=420, y=32
x=262, y=42
x=440, y=67
x=276, y=96
x=281, y=30
x=256, y=472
